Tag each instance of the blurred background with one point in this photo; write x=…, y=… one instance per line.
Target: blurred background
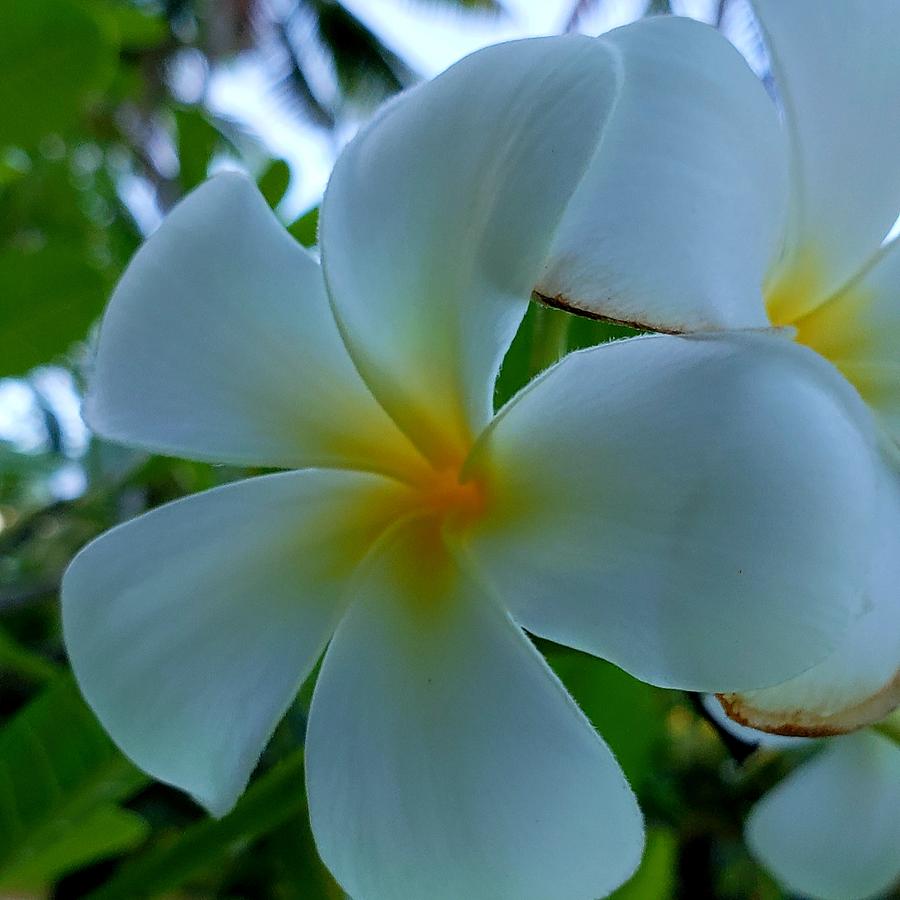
x=110, y=111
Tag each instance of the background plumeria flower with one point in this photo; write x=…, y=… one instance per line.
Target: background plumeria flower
x=703, y=211
x=697, y=510
x=831, y=829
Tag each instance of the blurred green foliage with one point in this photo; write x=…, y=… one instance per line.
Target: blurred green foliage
x=87, y=109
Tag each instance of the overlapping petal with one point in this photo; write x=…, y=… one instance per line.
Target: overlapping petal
x=836, y=74
x=745, y=733
x=699, y=511
x=831, y=830
x=191, y=628
x=859, y=683
x=681, y=211
x=219, y=344
x=439, y=215
x=445, y=760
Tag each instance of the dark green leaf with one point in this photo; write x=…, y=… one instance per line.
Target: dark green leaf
x=23, y=663
x=107, y=831
x=524, y=359
x=628, y=713
x=656, y=877
x=48, y=300
x=273, y=799
x=136, y=28
x=585, y=332
x=300, y=873
x=274, y=182
x=198, y=140
x=305, y=229
x=53, y=55
x=57, y=767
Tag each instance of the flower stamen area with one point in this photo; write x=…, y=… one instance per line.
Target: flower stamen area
x=830, y=328
x=438, y=510
x=445, y=496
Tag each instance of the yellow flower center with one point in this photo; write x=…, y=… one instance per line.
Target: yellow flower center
x=444, y=496
x=437, y=509
x=832, y=326
x=427, y=514
x=794, y=292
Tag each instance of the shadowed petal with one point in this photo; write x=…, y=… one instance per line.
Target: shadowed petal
x=681, y=211
x=859, y=683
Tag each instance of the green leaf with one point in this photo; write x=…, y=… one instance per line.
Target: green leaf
x=137, y=29
x=305, y=229
x=23, y=663
x=365, y=67
x=58, y=767
x=300, y=874
x=48, y=300
x=527, y=355
x=198, y=139
x=107, y=831
x=656, y=877
x=272, y=800
x=274, y=182
x=628, y=713
x=53, y=55
x=587, y=332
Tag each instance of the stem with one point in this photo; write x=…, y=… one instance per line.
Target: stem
x=720, y=14
x=550, y=338
x=737, y=749
x=890, y=728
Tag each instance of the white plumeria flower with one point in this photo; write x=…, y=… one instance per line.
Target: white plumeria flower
x=697, y=510
x=831, y=829
x=704, y=211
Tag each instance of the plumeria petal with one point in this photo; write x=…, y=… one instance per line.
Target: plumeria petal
x=445, y=760
x=698, y=510
x=745, y=733
x=439, y=215
x=831, y=830
x=858, y=329
x=219, y=344
x=836, y=74
x=191, y=628
x=681, y=211
x=859, y=683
